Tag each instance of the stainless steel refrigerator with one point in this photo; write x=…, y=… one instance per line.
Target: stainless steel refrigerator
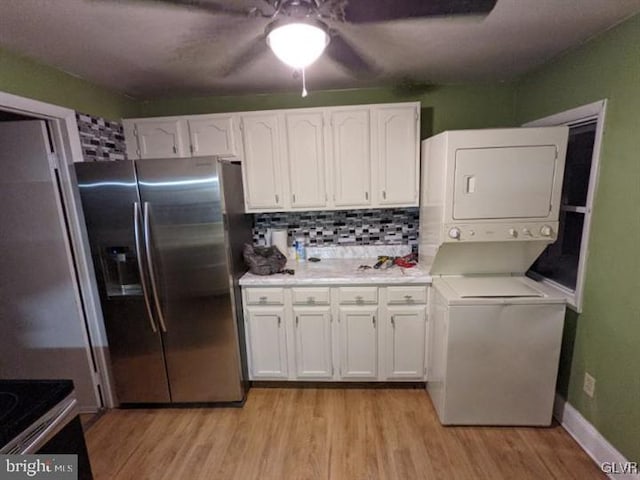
x=166, y=239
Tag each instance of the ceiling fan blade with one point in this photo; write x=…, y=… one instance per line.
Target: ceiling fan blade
x=251, y=52
x=339, y=50
x=366, y=11
x=213, y=6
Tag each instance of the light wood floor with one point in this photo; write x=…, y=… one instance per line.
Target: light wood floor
x=336, y=434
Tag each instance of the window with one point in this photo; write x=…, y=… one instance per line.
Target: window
x=563, y=263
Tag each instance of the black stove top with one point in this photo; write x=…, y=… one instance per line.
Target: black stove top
x=22, y=402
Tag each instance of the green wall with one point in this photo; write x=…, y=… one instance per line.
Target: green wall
x=605, y=339
x=443, y=107
x=27, y=78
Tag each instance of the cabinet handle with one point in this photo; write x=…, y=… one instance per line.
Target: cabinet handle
x=297, y=320
x=393, y=320
x=384, y=194
x=263, y=299
x=293, y=197
x=175, y=149
x=192, y=148
x=277, y=198
x=374, y=321
x=279, y=320
x=366, y=195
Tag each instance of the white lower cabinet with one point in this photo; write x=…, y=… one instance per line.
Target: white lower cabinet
x=358, y=343
x=355, y=333
x=266, y=342
x=312, y=334
x=405, y=335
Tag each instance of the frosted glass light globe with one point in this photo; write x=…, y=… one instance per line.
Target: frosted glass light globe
x=298, y=44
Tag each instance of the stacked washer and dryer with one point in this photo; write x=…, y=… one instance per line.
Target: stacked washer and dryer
x=489, y=206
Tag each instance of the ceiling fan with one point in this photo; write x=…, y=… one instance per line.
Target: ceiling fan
x=300, y=31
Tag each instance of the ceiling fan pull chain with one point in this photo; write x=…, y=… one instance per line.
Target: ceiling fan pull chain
x=304, y=85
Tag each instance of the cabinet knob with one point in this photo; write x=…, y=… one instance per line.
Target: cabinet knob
x=311, y=300
x=263, y=299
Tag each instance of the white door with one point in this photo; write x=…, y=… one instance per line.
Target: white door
x=359, y=342
x=267, y=342
x=398, y=158
x=507, y=182
x=305, y=145
x=405, y=342
x=43, y=328
x=262, y=160
x=212, y=136
x=313, y=342
x=351, y=152
x=161, y=138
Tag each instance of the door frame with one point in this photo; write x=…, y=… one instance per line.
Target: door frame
x=66, y=142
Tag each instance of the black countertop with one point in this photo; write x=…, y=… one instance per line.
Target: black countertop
x=22, y=402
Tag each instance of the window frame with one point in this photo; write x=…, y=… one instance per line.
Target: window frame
x=592, y=111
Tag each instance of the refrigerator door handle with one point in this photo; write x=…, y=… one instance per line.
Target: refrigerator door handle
x=143, y=278
x=152, y=273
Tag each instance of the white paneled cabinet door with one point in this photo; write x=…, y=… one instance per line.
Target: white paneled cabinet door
x=267, y=342
x=359, y=342
x=305, y=148
x=351, y=154
x=212, y=136
x=397, y=132
x=262, y=162
x=405, y=342
x=161, y=138
x=312, y=327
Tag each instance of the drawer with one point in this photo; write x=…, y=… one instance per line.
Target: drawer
x=265, y=296
x=358, y=295
x=310, y=296
x=406, y=295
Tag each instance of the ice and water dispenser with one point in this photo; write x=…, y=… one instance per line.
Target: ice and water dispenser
x=120, y=271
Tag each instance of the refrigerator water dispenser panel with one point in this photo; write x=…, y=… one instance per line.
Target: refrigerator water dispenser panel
x=120, y=271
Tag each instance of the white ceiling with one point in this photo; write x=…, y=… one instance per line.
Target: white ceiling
x=149, y=50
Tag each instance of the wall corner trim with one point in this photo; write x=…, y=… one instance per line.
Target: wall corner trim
x=590, y=440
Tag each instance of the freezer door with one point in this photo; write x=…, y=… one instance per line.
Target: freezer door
x=109, y=195
x=185, y=232
x=505, y=182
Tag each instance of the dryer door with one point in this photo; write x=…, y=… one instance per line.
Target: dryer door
x=505, y=182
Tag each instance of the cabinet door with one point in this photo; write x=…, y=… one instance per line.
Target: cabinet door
x=312, y=328
x=161, y=138
x=267, y=342
x=261, y=165
x=212, y=136
x=351, y=152
x=405, y=342
x=305, y=147
x=397, y=145
x=358, y=342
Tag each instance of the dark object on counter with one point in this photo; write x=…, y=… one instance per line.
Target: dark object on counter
x=288, y=271
x=313, y=259
x=381, y=261
x=263, y=260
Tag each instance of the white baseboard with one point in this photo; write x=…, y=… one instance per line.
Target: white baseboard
x=597, y=447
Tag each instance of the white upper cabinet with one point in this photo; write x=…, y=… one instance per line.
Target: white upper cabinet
x=261, y=168
x=351, y=156
x=212, y=135
x=160, y=138
x=397, y=141
x=306, y=159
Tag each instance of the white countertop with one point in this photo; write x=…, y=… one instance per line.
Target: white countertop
x=342, y=271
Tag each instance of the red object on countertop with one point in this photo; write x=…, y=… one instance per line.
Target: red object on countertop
x=408, y=261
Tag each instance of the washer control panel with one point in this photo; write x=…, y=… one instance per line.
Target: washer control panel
x=500, y=232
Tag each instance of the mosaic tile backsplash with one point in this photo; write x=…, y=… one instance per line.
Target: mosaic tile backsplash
x=397, y=226
x=100, y=139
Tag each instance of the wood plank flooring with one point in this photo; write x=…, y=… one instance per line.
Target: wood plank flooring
x=314, y=433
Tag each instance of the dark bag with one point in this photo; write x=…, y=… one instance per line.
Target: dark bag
x=263, y=260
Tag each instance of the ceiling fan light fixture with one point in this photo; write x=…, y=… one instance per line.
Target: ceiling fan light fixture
x=298, y=44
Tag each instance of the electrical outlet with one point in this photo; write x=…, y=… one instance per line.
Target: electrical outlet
x=589, y=385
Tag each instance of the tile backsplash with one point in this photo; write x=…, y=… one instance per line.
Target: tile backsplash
x=100, y=139
x=389, y=226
